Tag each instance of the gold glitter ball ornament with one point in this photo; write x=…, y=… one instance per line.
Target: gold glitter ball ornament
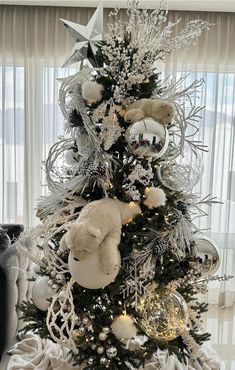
x=164, y=314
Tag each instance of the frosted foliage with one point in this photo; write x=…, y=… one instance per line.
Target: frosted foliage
x=106, y=115
x=140, y=272
x=152, y=40
x=141, y=175
x=180, y=235
x=153, y=35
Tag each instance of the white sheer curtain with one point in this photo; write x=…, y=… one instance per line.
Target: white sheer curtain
x=213, y=58
x=33, y=46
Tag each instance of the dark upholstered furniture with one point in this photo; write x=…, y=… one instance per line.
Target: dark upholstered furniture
x=13, y=232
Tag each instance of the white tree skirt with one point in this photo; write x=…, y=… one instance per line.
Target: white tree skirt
x=32, y=352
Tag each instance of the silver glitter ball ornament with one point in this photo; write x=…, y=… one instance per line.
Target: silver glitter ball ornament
x=85, y=321
x=93, y=347
x=103, y=361
x=90, y=361
x=82, y=329
x=111, y=351
x=147, y=138
x=59, y=278
x=55, y=287
x=207, y=255
x=100, y=350
x=102, y=336
x=106, y=330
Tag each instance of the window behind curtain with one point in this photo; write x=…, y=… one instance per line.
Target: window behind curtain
x=12, y=132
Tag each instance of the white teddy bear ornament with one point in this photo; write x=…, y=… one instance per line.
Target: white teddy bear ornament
x=98, y=227
x=160, y=110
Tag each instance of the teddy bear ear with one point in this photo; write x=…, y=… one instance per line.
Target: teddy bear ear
x=163, y=104
x=94, y=231
x=70, y=237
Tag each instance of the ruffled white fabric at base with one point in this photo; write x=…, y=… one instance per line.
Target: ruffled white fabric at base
x=34, y=353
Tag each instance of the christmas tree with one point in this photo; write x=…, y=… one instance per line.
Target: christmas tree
x=122, y=264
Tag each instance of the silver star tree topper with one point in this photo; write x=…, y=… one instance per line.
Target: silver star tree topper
x=86, y=38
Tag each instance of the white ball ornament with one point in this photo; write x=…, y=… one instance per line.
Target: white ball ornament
x=92, y=91
x=100, y=350
x=89, y=274
x=123, y=327
x=41, y=292
x=154, y=197
x=102, y=336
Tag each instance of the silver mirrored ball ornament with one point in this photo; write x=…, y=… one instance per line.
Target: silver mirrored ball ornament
x=147, y=138
x=103, y=361
x=207, y=255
